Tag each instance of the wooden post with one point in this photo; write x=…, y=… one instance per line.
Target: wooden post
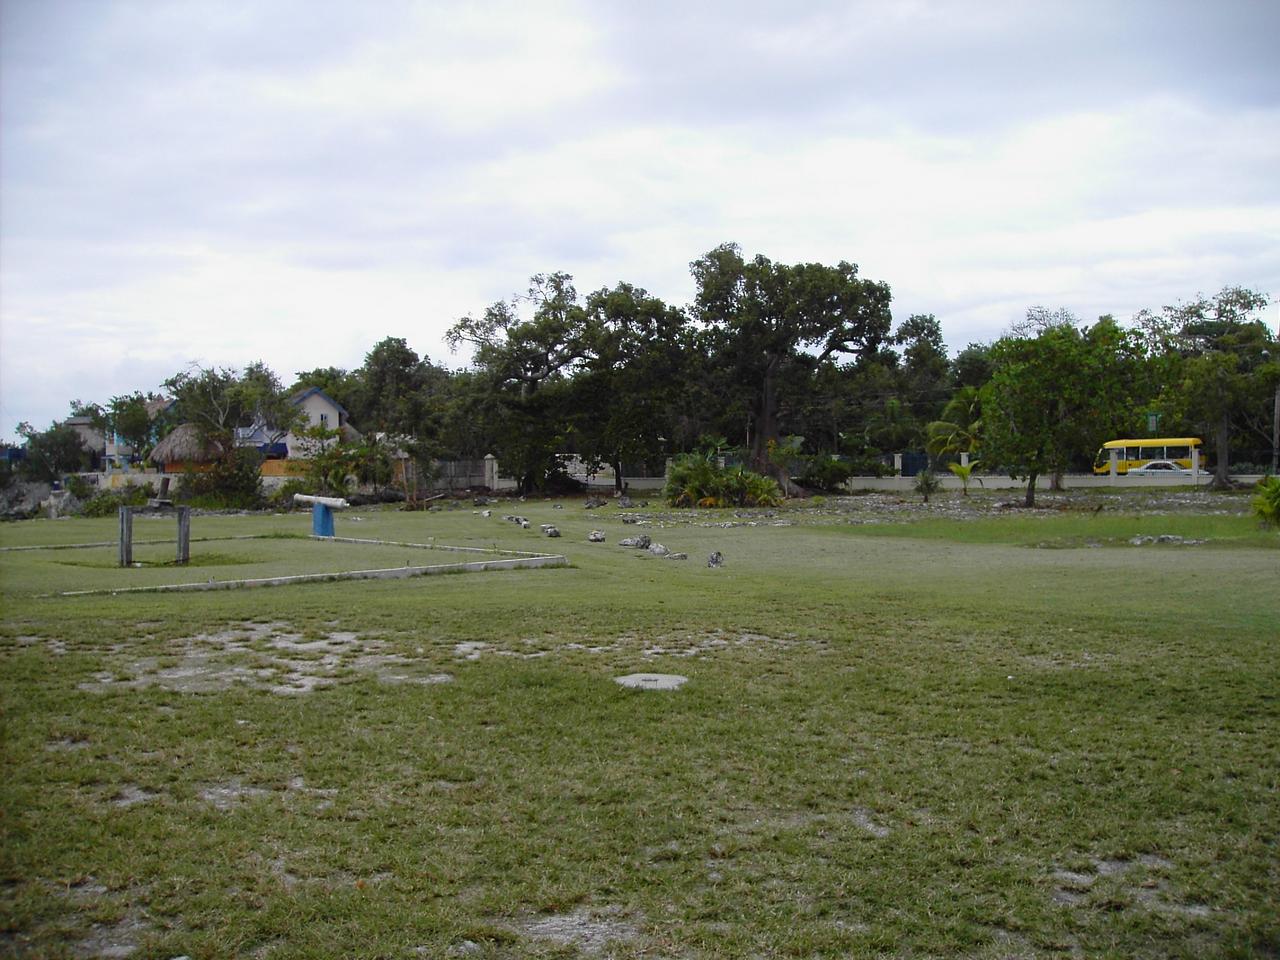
x=184, y=534
x=126, y=536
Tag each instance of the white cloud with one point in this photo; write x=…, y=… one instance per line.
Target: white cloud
x=293, y=183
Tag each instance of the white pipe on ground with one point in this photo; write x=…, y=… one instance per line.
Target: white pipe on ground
x=336, y=503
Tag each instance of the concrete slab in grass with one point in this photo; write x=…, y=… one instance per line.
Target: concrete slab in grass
x=652, y=681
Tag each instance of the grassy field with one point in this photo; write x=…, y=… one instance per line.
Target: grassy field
x=906, y=732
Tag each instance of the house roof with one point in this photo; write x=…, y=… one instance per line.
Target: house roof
x=157, y=407
x=297, y=398
x=184, y=443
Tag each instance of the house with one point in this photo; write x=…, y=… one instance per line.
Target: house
x=95, y=444
x=319, y=410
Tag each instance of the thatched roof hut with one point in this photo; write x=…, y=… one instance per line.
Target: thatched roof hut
x=184, y=445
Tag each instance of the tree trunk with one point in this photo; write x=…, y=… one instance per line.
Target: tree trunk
x=1031, y=491
x=617, y=476
x=1055, y=482
x=766, y=423
x=1222, y=454
x=767, y=430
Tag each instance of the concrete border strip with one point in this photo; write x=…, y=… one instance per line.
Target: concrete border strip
x=430, y=546
x=528, y=561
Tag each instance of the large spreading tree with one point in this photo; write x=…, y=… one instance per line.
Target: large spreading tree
x=767, y=322
x=526, y=364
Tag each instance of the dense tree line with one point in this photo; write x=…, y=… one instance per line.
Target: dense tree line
x=797, y=369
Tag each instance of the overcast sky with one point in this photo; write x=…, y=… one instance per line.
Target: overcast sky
x=221, y=182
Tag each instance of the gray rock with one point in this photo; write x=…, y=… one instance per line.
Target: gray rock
x=593, y=502
x=551, y=532
x=486, y=513
x=715, y=560
x=524, y=524
x=677, y=556
x=658, y=550
x=640, y=543
x=21, y=500
x=625, y=503
x=595, y=536
x=558, y=506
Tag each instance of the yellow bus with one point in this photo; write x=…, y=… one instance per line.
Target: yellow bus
x=1134, y=453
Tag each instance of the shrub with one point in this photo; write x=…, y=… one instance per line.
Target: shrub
x=927, y=483
x=80, y=488
x=826, y=473
x=232, y=483
x=697, y=480
x=1266, y=502
x=107, y=503
x=283, y=496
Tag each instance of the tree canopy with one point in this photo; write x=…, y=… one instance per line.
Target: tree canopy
x=796, y=369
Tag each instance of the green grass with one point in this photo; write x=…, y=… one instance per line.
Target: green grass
x=923, y=737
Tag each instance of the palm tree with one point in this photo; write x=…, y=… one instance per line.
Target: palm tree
x=959, y=430
x=964, y=471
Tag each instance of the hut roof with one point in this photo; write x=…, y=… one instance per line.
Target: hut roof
x=184, y=444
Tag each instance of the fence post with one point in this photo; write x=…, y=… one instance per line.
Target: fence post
x=184, y=534
x=897, y=464
x=126, y=536
x=491, y=471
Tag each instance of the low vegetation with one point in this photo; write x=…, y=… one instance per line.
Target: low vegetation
x=1266, y=501
x=699, y=480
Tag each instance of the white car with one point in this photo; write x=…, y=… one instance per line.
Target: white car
x=1160, y=468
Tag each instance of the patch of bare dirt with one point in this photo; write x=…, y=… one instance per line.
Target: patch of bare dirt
x=588, y=931
x=131, y=795
x=1146, y=890
x=64, y=744
x=230, y=793
x=1082, y=660
x=264, y=656
x=112, y=941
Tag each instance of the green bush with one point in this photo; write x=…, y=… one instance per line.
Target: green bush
x=283, y=497
x=80, y=488
x=232, y=483
x=1266, y=502
x=697, y=480
x=107, y=503
x=826, y=473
